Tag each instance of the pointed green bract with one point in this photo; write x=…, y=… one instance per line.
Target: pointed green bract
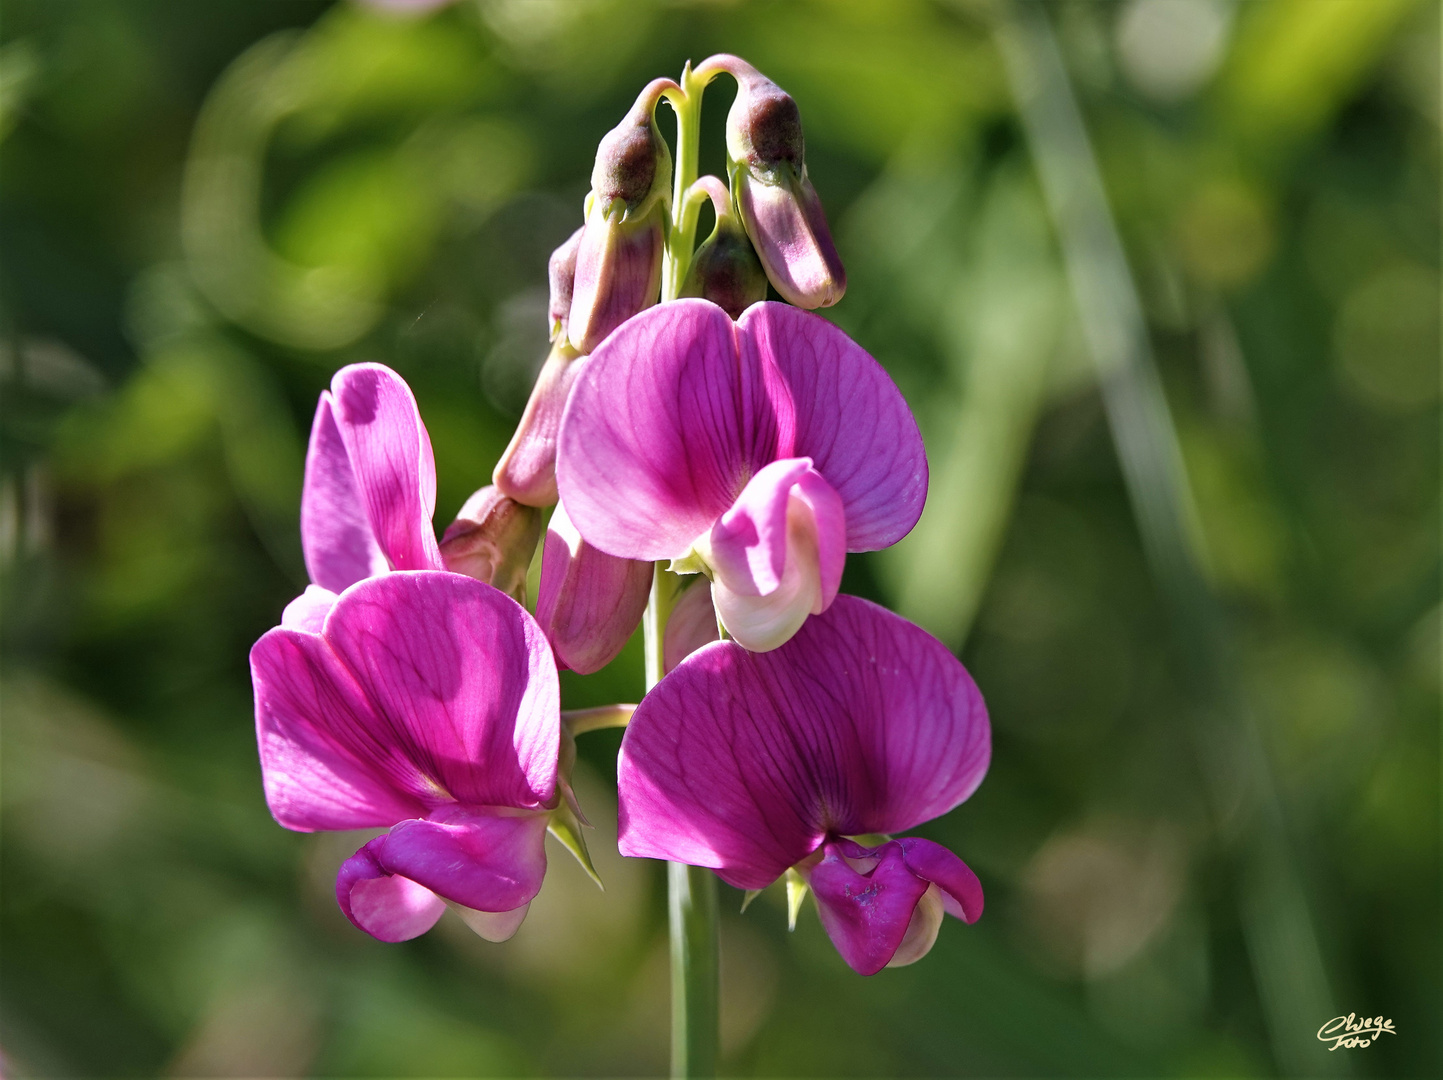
x=566, y=827
x=796, y=894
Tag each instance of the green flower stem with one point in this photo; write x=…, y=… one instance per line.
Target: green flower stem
x=691, y=903
x=580, y=721
x=692, y=893
x=681, y=237
x=664, y=588
x=692, y=897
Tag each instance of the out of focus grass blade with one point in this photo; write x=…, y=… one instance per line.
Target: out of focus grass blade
x=1286, y=957
x=1000, y=344
x=20, y=70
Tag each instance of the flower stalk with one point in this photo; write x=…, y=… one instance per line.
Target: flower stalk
x=692, y=908
x=685, y=203
x=691, y=890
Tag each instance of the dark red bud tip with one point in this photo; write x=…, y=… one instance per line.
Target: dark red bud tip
x=764, y=126
x=625, y=165
x=562, y=272
x=632, y=160
x=770, y=125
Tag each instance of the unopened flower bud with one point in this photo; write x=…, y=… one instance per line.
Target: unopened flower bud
x=778, y=204
x=493, y=540
x=725, y=269
x=692, y=624
x=527, y=470
x=561, y=270
x=589, y=603
x=618, y=263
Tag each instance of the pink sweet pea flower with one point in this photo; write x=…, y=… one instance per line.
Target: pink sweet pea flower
x=755, y=763
x=369, y=490
x=428, y=704
x=759, y=452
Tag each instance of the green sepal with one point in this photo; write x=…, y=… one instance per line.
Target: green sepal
x=566, y=827
x=751, y=894
x=690, y=563
x=796, y=893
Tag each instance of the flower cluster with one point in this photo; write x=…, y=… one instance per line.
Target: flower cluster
x=703, y=450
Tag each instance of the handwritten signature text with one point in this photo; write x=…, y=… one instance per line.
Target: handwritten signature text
x=1349, y=1031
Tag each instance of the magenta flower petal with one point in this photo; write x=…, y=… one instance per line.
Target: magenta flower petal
x=309, y=610
x=777, y=554
x=422, y=689
x=865, y=911
x=872, y=929
x=479, y=859
x=386, y=906
x=390, y=454
x=691, y=625
x=661, y=432
x=426, y=702
x=748, y=545
x=321, y=760
x=336, y=536
x=827, y=525
x=961, y=891
x=465, y=682
x=589, y=603
x=845, y=414
x=746, y=762
x=680, y=408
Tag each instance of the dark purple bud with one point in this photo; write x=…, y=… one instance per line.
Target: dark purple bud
x=527, y=470
x=778, y=205
x=562, y=272
x=725, y=269
x=618, y=262
x=633, y=162
x=493, y=539
x=764, y=126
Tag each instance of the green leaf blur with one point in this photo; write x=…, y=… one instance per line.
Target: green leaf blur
x=207, y=208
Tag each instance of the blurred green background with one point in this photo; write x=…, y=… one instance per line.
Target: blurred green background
x=1212, y=818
